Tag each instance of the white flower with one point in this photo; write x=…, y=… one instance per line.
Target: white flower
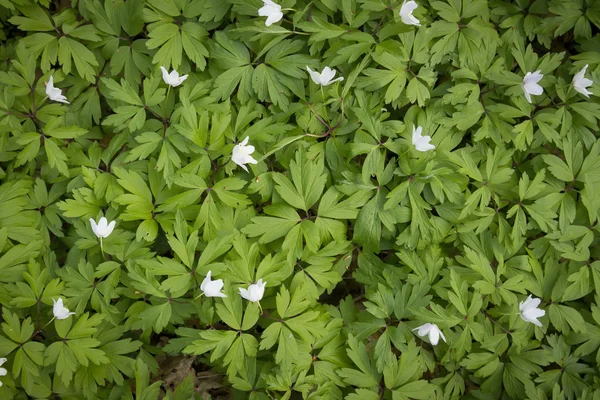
x=53, y=93
x=581, y=83
x=530, y=84
x=421, y=142
x=272, y=11
x=432, y=331
x=103, y=229
x=3, y=371
x=241, y=154
x=60, y=311
x=212, y=288
x=324, y=78
x=530, y=312
x=172, y=78
x=254, y=292
x=406, y=13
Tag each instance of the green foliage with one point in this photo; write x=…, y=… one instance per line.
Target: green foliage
x=360, y=237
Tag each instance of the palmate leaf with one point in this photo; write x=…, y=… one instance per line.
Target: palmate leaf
x=394, y=76
x=295, y=327
x=281, y=220
x=234, y=59
x=307, y=184
x=83, y=58
x=366, y=376
x=77, y=348
x=236, y=349
x=171, y=39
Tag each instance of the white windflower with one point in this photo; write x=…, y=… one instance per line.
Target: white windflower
x=173, y=79
x=241, y=154
x=432, y=331
x=530, y=312
x=421, y=142
x=324, y=78
x=254, y=292
x=60, y=311
x=406, y=13
x=3, y=371
x=103, y=229
x=530, y=84
x=581, y=83
x=212, y=288
x=53, y=93
x=272, y=11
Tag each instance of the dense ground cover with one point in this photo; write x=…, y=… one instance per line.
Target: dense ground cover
x=358, y=199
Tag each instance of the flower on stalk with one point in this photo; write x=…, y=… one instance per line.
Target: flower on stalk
x=432, y=331
x=324, y=78
x=172, y=79
x=53, y=93
x=254, y=292
x=212, y=288
x=421, y=143
x=241, y=154
x=581, y=83
x=406, y=13
x=103, y=229
x=529, y=311
x=60, y=311
x=530, y=84
x=270, y=10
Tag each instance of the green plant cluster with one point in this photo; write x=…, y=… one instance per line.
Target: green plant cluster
x=360, y=237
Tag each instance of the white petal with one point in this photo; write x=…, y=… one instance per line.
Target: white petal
x=110, y=228
x=442, y=335
x=165, y=74
x=50, y=86
x=409, y=6
x=218, y=284
x=62, y=99
x=422, y=144
x=94, y=226
x=181, y=79
x=265, y=10
x=583, y=91
x=327, y=75
x=103, y=223
x=533, y=303
x=534, y=88
x=244, y=293
x=580, y=74
x=315, y=76
x=417, y=132
x=406, y=13
x=533, y=314
x=205, y=282
x=273, y=18
x=524, y=304
x=527, y=95
x=423, y=329
x=434, y=335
